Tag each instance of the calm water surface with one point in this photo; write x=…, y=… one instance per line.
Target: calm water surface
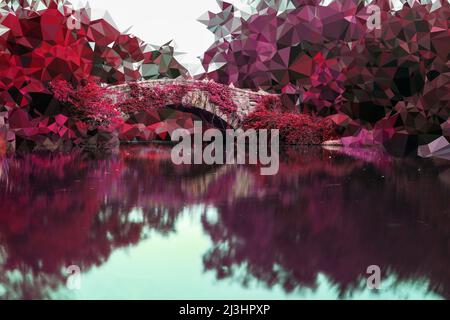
x=141, y=228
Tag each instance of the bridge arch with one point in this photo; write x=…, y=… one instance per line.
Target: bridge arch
x=231, y=105
x=203, y=114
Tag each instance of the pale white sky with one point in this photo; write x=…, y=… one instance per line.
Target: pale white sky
x=159, y=21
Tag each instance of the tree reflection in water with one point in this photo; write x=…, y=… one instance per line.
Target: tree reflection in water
x=325, y=212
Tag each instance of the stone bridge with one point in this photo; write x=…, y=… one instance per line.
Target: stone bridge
x=197, y=96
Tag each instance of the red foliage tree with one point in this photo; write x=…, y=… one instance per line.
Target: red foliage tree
x=88, y=102
x=295, y=128
x=40, y=43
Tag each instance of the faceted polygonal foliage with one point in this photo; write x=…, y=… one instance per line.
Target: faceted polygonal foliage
x=392, y=78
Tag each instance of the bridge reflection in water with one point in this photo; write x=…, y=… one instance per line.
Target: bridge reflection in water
x=140, y=227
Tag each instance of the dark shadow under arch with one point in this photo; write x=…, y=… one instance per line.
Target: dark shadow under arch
x=204, y=115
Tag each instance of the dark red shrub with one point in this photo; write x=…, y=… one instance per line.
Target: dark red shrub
x=270, y=102
x=89, y=102
x=2, y=146
x=295, y=128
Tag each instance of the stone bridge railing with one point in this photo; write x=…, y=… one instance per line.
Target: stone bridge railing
x=245, y=100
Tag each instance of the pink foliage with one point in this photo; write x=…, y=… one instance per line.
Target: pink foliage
x=90, y=106
x=269, y=102
x=147, y=98
x=327, y=85
x=219, y=95
x=92, y=103
x=89, y=102
x=295, y=128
